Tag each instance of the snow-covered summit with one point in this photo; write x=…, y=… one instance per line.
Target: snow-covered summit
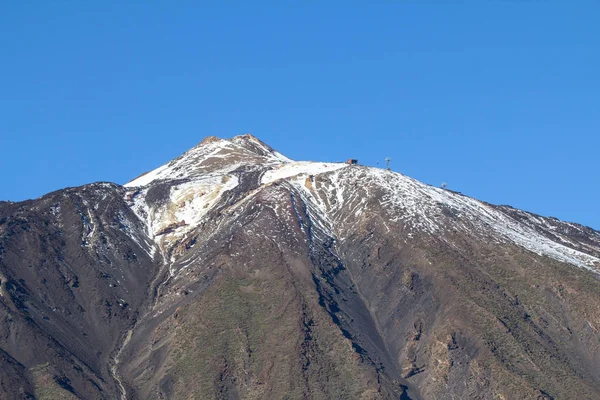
x=213, y=155
x=175, y=198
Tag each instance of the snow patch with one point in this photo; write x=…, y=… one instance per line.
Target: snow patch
x=211, y=157
x=289, y=170
x=421, y=208
x=188, y=203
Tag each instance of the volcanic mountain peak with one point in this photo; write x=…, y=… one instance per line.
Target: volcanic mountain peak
x=235, y=272
x=213, y=155
x=176, y=197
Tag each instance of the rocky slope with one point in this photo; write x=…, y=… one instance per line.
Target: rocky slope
x=234, y=272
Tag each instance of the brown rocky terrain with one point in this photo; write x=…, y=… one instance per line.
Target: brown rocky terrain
x=233, y=272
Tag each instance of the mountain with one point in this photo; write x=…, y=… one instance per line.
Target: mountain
x=235, y=272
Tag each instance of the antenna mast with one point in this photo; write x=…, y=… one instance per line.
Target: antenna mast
x=387, y=163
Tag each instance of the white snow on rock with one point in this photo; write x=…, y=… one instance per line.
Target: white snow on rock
x=188, y=203
x=272, y=154
x=194, y=199
x=293, y=169
x=184, y=165
x=421, y=207
x=138, y=237
x=148, y=177
x=333, y=192
x=211, y=156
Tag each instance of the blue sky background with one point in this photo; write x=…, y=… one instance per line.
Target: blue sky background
x=498, y=98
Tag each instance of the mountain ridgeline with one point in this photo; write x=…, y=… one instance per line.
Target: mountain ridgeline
x=233, y=272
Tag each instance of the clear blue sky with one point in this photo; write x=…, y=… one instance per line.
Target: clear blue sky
x=498, y=98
